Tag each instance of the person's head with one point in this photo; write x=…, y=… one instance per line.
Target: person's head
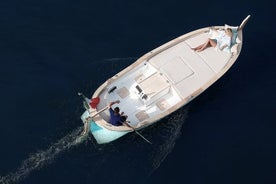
x=228, y=31
x=116, y=109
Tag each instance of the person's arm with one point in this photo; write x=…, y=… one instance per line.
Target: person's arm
x=112, y=103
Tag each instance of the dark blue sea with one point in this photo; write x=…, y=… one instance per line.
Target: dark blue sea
x=50, y=50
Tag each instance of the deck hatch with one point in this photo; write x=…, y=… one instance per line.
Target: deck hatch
x=176, y=70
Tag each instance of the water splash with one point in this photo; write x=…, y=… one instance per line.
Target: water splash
x=41, y=158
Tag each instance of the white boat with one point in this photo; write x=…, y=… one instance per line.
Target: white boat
x=160, y=82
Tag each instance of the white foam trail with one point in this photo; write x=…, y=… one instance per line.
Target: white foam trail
x=42, y=158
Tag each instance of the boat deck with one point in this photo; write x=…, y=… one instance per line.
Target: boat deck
x=187, y=69
x=156, y=96
x=159, y=83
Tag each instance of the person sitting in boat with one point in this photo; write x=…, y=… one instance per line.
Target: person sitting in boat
x=222, y=40
x=116, y=118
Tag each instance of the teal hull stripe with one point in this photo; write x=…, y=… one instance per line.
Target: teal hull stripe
x=94, y=127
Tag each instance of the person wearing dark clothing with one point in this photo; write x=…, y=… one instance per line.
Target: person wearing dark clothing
x=116, y=118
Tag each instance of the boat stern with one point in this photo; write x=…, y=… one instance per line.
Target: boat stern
x=101, y=134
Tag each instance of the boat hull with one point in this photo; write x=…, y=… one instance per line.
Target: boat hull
x=103, y=135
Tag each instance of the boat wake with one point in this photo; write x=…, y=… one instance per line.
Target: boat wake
x=167, y=134
x=163, y=136
x=41, y=158
x=123, y=155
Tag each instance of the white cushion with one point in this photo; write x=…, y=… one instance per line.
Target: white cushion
x=238, y=40
x=213, y=33
x=234, y=48
x=234, y=32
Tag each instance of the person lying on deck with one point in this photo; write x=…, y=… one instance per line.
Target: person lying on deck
x=221, y=41
x=116, y=118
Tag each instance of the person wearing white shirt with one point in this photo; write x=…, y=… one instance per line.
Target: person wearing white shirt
x=222, y=40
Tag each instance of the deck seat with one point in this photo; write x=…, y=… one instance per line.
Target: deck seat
x=162, y=104
x=123, y=92
x=142, y=115
x=154, y=84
